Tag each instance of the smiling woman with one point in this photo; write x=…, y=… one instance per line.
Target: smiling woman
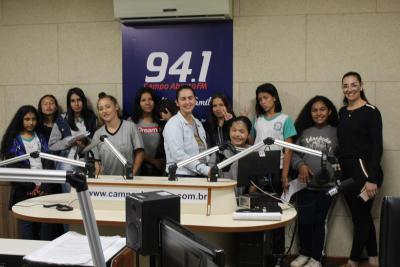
x=360, y=152
x=123, y=134
x=184, y=136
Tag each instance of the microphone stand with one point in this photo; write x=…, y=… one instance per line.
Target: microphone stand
x=271, y=141
x=88, y=166
x=173, y=167
x=128, y=166
x=77, y=180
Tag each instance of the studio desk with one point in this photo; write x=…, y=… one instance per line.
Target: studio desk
x=206, y=207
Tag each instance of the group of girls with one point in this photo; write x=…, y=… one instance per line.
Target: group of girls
x=163, y=133
x=354, y=136
x=47, y=130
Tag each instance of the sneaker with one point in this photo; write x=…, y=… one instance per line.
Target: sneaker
x=313, y=263
x=278, y=261
x=299, y=261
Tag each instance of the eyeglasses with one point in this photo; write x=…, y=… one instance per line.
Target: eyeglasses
x=351, y=87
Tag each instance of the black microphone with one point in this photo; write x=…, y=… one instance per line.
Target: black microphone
x=128, y=171
x=344, y=185
x=323, y=176
x=92, y=144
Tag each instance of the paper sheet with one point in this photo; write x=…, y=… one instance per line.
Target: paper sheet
x=294, y=187
x=73, y=249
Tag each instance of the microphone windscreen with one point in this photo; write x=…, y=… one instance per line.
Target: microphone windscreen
x=346, y=184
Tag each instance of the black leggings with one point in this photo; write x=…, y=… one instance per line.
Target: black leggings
x=313, y=207
x=364, y=235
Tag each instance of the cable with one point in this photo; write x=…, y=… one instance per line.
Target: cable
x=270, y=195
x=28, y=206
x=292, y=239
x=59, y=207
x=69, y=204
x=290, y=205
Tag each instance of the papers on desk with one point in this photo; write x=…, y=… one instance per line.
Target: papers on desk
x=294, y=187
x=73, y=249
x=78, y=136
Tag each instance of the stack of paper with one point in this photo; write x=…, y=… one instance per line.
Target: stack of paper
x=73, y=249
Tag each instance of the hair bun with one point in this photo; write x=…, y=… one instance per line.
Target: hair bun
x=102, y=95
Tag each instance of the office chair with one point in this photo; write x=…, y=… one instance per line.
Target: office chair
x=389, y=237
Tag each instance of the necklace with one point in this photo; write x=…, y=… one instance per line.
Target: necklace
x=350, y=113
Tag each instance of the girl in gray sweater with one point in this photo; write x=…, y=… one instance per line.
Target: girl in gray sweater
x=316, y=127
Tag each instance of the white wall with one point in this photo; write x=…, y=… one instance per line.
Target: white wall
x=302, y=46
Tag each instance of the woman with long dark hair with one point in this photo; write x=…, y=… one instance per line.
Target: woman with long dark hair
x=73, y=129
x=20, y=138
x=146, y=119
x=360, y=153
x=48, y=111
x=316, y=128
x=218, y=120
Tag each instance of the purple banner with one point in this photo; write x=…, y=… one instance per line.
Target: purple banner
x=164, y=57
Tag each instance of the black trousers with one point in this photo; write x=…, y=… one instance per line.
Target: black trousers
x=364, y=235
x=313, y=207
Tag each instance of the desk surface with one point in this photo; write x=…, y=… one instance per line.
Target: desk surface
x=162, y=181
x=33, y=210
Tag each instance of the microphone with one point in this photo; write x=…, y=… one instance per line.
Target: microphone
x=341, y=186
x=323, y=176
x=91, y=145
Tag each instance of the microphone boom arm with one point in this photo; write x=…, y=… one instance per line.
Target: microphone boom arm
x=119, y=156
x=78, y=181
x=270, y=141
x=173, y=167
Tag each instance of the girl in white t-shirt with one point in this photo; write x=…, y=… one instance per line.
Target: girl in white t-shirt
x=271, y=122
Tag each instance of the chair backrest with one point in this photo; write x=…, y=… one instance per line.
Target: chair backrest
x=389, y=237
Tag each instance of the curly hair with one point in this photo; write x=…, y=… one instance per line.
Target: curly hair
x=15, y=127
x=304, y=119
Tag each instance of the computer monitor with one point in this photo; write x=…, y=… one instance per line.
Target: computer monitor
x=257, y=165
x=180, y=247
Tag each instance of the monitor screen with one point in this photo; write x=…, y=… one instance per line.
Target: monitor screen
x=255, y=165
x=180, y=247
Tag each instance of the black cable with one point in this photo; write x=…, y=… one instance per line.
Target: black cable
x=59, y=207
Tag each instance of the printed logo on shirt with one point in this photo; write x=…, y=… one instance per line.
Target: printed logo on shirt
x=149, y=129
x=318, y=143
x=278, y=126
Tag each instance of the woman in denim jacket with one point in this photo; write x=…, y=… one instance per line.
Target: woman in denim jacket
x=184, y=136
